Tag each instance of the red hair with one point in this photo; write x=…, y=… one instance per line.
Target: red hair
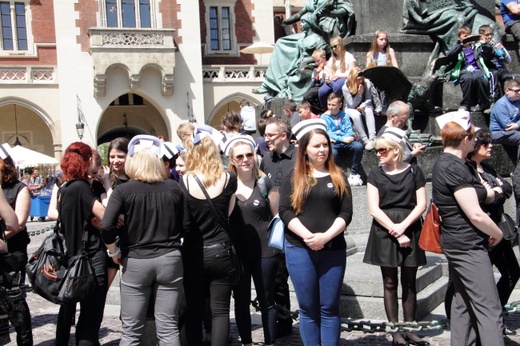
x=76, y=161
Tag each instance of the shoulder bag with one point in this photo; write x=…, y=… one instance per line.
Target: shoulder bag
x=47, y=266
x=509, y=228
x=276, y=233
x=430, y=239
x=239, y=269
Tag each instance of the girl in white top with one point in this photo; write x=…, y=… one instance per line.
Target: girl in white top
x=336, y=70
x=380, y=53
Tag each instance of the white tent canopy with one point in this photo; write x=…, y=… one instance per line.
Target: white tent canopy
x=24, y=157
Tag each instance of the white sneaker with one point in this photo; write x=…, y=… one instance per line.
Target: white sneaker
x=369, y=145
x=355, y=180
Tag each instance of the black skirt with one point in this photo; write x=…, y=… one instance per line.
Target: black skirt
x=383, y=249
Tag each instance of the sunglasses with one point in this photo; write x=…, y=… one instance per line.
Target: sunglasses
x=485, y=143
x=515, y=90
x=240, y=158
x=334, y=46
x=382, y=151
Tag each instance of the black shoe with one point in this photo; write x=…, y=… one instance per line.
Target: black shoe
x=284, y=331
x=418, y=342
x=507, y=331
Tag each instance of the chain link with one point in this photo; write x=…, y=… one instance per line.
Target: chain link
x=40, y=231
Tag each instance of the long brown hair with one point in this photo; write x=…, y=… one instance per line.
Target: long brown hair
x=374, y=49
x=303, y=179
x=8, y=173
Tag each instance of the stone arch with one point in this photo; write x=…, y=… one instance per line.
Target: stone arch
x=230, y=102
x=35, y=127
x=131, y=119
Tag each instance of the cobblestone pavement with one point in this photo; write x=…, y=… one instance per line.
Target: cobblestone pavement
x=44, y=316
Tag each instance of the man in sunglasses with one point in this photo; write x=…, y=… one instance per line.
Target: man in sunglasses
x=504, y=122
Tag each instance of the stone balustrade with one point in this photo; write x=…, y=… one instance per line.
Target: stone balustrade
x=233, y=73
x=28, y=75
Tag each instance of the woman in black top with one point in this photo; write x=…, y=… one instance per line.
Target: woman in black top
x=77, y=207
x=396, y=200
x=502, y=255
x=19, y=198
x=466, y=233
x=316, y=207
x=209, y=269
x=156, y=214
x=256, y=204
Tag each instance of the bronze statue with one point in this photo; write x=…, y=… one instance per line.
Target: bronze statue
x=289, y=73
x=441, y=18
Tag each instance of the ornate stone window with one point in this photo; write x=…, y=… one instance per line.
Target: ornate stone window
x=127, y=13
x=220, y=28
x=14, y=33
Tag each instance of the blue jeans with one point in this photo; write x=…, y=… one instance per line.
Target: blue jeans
x=355, y=148
x=511, y=138
x=327, y=88
x=263, y=270
x=317, y=277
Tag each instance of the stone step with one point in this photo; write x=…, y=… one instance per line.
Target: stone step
x=362, y=279
x=360, y=307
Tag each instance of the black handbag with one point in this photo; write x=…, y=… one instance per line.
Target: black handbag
x=47, y=266
x=79, y=281
x=509, y=228
x=239, y=269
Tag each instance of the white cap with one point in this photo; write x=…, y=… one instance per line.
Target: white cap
x=5, y=151
x=305, y=126
x=463, y=118
x=141, y=142
x=236, y=139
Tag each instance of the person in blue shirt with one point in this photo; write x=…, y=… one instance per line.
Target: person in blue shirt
x=510, y=11
x=504, y=121
x=343, y=137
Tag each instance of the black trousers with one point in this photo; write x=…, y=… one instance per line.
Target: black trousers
x=91, y=310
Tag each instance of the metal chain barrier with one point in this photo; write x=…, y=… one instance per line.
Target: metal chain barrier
x=40, y=231
x=389, y=327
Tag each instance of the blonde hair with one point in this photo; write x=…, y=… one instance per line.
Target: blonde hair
x=145, y=166
x=257, y=173
x=185, y=129
x=388, y=143
x=318, y=53
x=351, y=80
x=204, y=158
x=340, y=56
x=374, y=49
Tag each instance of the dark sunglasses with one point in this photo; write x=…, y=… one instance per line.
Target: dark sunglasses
x=515, y=90
x=334, y=46
x=240, y=157
x=382, y=151
x=485, y=143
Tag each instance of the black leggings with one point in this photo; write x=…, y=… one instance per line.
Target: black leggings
x=409, y=293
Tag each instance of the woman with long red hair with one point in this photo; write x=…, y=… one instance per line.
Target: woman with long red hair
x=77, y=208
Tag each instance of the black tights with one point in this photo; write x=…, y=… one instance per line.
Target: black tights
x=390, y=281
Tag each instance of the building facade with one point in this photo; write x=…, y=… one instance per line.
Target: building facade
x=125, y=67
